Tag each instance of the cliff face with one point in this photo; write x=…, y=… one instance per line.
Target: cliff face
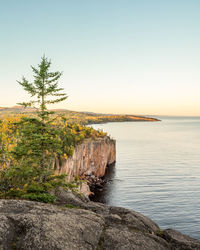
x=90, y=158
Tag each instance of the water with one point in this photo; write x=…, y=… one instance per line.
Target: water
x=157, y=171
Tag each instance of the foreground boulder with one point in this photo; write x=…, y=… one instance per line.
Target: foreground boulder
x=82, y=225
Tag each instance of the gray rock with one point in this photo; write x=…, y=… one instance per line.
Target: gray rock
x=27, y=225
x=6, y=232
x=32, y=225
x=69, y=197
x=126, y=239
x=135, y=220
x=180, y=241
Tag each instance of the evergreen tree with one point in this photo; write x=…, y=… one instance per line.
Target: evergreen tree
x=45, y=84
x=32, y=174
x=42, y=138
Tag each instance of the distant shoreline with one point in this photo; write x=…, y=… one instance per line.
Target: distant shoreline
x=141, y=119
x=84, y=118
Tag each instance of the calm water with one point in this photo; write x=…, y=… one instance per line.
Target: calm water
x=157, y=171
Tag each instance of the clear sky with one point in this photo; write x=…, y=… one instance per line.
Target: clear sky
x=117, y=56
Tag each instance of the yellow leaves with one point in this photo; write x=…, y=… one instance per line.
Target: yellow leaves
x=73, y=131
x=3, y=165
x=7, y=138
x=12, y=189
x=70, y=134
x=65, y=156
x=47, y=152
x=53, y=175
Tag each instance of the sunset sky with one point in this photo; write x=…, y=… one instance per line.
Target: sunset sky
x=117, y=56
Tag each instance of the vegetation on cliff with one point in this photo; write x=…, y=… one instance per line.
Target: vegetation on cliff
x=29, y=145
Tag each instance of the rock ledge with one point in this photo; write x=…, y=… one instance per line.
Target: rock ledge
x=76, y=224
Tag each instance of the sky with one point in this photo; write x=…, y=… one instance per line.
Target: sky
x=117, y=56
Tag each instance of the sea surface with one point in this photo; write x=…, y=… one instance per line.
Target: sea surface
x=157, y=171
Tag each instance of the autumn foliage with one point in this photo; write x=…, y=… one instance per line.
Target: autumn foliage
x=20, y=171
x=30, y=144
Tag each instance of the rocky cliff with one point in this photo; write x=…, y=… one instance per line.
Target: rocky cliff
x=89, y=159
x=76, y=225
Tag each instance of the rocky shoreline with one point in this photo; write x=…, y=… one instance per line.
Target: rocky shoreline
x=77, y=223
x=90, y=161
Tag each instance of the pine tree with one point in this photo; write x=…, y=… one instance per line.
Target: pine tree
x=38, y=142
x=45, y=84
